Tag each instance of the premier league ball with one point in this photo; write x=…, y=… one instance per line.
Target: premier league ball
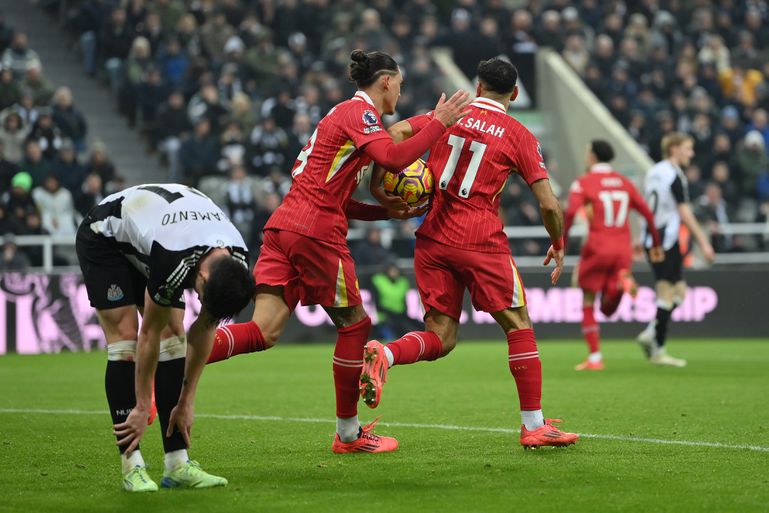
x=414, y=184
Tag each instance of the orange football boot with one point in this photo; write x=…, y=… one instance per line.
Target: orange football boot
x=588, y=365
x=374, y=373
x=547, y=435
x=366, y=442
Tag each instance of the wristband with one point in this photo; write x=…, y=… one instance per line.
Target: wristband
x=558, y=244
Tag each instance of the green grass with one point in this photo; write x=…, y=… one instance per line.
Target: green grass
x=67, y=462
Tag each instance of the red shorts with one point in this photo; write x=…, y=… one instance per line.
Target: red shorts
x=310, y=270
x=597, y=269
x=444, y=272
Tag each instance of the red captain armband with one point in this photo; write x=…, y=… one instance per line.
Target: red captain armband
x=558, y=244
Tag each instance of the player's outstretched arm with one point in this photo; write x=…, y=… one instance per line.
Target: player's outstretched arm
x=552, y=218
x=387, y=153
x=687, y=217
x=200, y=340
x=154, y=319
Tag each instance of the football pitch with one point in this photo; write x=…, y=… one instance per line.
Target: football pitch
x=654, y=439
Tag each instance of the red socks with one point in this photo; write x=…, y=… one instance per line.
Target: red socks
x=348, y=362
x=236, y=339
x=416, y=346
x=525, y=367
x=590, y=329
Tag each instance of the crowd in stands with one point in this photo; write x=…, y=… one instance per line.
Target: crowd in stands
x=48, y=177
x=228, y=91
x=695, y=67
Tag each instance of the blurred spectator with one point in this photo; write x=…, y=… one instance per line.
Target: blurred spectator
x=6, y=33
x=232, y=147
x=760, y=123
x=264, y=209
x=9, y=89
x=12, y=259
x=721, y=176
x=68, y=118
x=56, y=206
x=370, y=251
x=27, y=109
x=34, y=163
x=214, y=34
x=68, y=171
x=12, y=135
x=575, y=53
x=199, y=154
x=390, y=290
x=18, y=201
x=136, y=66
x=46, y=134
x=239, y=201
x=7, y=170
x=711, y=211
x=173, y=63
x=695, y=183
x=32, y=225
x=18, y=57
x=90, y=194
x=100, y=164
x=114, y=45
x=206, y=104
x=171, y=126
x=753, y=160
x=242, y=112
x=269, y=144
x=37, y=85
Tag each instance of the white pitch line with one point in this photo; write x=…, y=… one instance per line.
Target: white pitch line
x=445, y=427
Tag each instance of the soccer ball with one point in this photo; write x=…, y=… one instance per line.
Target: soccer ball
x=414, y=184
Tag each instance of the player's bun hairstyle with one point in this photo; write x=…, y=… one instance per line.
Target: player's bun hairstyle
x=498, y=75
x=366, y=68
x=602, y=150
x=229, y=288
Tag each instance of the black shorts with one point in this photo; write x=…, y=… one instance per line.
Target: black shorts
x=671, y=269
x=110, y=279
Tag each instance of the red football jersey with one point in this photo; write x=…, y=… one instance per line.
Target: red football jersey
x=471, y=163
x=610, y=196
x=327, y=171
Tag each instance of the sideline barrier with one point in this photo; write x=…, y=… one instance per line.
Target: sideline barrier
x=42, y=313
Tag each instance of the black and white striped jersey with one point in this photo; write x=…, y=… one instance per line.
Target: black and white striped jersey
x=665, y=187
x=164, y=230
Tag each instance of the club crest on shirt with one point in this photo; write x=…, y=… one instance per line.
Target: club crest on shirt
x=370, y=118
x=114, y=293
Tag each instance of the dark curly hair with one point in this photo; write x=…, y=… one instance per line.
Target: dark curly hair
x=366, y=68
x=498, y=75
x=602, y=150
x=229, y=288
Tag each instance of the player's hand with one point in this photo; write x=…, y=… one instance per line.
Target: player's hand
x=181, y=419
x=410, y=211
x=452, y=110
x=656, y=254
x=708, y=252
x=557, y=256
x=130, y=432
x=389, y=201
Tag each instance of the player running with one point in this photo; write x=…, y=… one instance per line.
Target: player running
x=461, y=245
x=139, y=249
x=667, y=191
x=607, y=256
x=305, y=255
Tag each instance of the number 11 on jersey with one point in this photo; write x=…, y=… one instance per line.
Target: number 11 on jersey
x=457, y=145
